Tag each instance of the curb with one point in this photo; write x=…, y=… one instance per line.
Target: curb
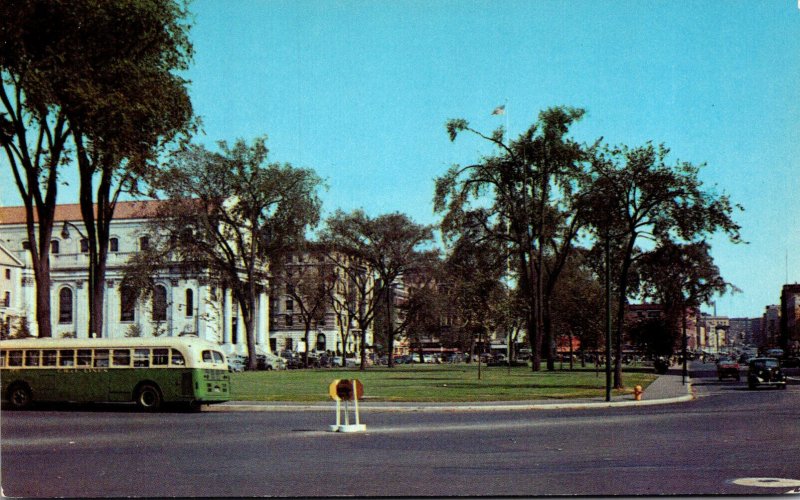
x=421, y=407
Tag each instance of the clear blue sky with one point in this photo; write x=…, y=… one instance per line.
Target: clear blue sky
x=360, y=91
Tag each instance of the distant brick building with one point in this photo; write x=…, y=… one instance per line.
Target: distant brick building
x=770, y=326
x=790, y=317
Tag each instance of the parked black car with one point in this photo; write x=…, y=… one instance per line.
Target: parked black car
x=791, y=362
x=661, y=365
x=765, y=371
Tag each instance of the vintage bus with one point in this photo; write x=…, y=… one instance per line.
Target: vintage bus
x=147, y=371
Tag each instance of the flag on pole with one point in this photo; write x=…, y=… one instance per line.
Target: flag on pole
x=499, y=110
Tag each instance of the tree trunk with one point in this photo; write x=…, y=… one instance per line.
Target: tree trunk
x=363, y=349
x=549, y=340
x=247, y=305
x=98, y=291
x=622, y=297
x=41, y=274
x=40, y=255
x=389, y=327
x=307, y=326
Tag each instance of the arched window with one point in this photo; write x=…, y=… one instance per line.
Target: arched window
x=321, y=342
x=160, y=303
x=113, y=245
x=54, y=247
x=189, y=303
x=127, y=304
x=65, y=306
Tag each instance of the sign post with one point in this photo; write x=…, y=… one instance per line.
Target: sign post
x=346, y=390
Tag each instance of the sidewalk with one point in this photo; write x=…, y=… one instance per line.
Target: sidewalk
x=666, y=389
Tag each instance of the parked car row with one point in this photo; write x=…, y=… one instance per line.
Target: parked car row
x=238, y=363
x=761, y=371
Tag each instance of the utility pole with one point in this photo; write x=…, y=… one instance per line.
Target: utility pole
x=608, y=313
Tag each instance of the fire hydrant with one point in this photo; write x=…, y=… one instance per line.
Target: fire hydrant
x=637, y=393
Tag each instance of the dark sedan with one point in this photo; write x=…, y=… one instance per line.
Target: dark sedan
x=765, y=371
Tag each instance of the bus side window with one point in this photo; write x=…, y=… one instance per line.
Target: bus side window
x=160, y=357
x=66, y=357
x=32, y=357
x=101, y=358
x=84, y=357
x=2, y=359
x=177, y=358
x=49, y=358
x=14, y=358
x=141, y=358
x=122, y=357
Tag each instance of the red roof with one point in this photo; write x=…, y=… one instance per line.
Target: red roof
x=72, y=212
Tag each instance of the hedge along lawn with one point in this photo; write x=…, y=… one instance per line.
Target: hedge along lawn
x=432, y=383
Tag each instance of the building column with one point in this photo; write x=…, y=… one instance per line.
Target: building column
x=262, y=325
x=226, y=317
x=241, y=340
x=108, y=309
x=79, y=323
x=201, y=325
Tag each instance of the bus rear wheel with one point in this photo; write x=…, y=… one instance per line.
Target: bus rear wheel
x=148, y=398
x=19, y=397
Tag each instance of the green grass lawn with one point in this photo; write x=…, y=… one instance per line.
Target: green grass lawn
x=432, y=383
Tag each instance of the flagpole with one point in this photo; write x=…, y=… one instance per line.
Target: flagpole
x=508, y=132
x=503, y=110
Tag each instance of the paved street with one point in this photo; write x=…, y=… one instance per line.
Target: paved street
x=705, y=446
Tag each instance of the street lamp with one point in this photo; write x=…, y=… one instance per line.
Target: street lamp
x=65, y=231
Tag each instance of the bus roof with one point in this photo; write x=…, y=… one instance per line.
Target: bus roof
x=130, y=342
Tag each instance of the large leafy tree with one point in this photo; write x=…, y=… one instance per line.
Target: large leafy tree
x=473, y=272
x=352, y=296
x=137, y=105
x=230, y=213
x=388, y=247
x=682, y=277
x=577, y=302
x=33, y=125
x=639, y=196
x=102, y=74
x=309, y=279
x=418, y=314
x=525, y=197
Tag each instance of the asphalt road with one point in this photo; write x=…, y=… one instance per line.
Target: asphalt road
x=711, y=445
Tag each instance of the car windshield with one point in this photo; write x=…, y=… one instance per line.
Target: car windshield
x=766, y=363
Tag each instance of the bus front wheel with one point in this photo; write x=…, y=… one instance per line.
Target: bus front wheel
x=19, y=396
x=148, y=398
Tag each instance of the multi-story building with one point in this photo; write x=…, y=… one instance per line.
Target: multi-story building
x=757, y=336
x=739, y=333
x=714, y=333
x=330, y=331
x=790, y=317
x=180, y=304
x=12, y=306
x=770, y=326
x=646, y=312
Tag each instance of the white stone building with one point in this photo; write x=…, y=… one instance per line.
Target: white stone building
x=181, y=305
x=12, y=305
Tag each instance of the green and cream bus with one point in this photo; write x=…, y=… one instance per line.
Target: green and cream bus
x=147, y=371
